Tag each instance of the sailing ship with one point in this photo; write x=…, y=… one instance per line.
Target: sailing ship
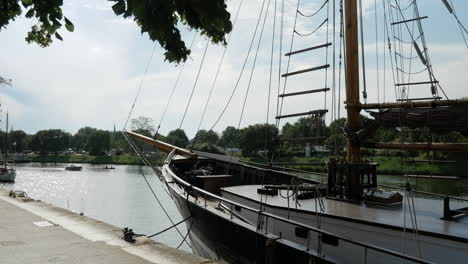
x=7, y=171
x=240, y=212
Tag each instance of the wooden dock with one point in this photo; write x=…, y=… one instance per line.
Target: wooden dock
x=35, y=232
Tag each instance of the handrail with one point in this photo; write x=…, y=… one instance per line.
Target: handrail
x=310, y=228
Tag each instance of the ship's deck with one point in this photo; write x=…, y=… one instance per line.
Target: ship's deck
x=428, y=211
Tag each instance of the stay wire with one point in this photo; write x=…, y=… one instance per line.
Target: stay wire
x=195, y=84
x=364, y=83
x=242, y=70
x=278, y=121
x=377, y=50
x=316, y=12
x=253, y=66
x=271, y=64
x=139, y=86
x=218, y=70
x=151, y=188
x=174, y=87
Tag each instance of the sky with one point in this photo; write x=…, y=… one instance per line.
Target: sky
x=92, y=77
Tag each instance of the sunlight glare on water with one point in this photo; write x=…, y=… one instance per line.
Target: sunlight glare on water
x=117, y=196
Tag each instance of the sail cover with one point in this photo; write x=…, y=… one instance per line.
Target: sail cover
x=441, y=120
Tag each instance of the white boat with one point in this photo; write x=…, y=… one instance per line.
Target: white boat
x=7, y=174
x=7, y=171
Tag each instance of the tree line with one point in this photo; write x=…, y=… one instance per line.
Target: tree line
x=253, y=140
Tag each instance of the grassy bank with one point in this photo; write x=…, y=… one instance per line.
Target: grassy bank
x=64, y=158
x=388, y=165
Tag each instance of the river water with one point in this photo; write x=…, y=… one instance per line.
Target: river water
x=119, y=197
x=122, y=198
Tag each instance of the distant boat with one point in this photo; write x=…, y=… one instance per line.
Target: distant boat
x=7, y=172
x=108, y=167
x=73, y=167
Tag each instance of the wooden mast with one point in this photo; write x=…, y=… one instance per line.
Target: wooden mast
x=352, y=77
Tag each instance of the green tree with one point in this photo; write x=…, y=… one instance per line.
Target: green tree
x=157, y=18
x=17, y=141
x=229, y=138
x=142, y=125
x=177, y=138
x=258, y=137
x=81, y=138
x=50, y=141
x=99, y=142
x=208, y=137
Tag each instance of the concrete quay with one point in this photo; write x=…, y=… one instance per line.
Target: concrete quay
x=33, y=232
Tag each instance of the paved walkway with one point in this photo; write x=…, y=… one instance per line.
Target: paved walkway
x=34, y=232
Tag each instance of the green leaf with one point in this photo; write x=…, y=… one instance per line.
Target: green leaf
x=30, y=13
x=69, y=25
x=26, y=3
x=119, y=7
x=57, y=35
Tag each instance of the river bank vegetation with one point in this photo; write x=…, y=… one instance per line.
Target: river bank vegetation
x=257, y=143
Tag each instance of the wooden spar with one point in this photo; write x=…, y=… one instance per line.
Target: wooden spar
x=352, y=76
x=164, y=147
x=420, y=146
x=457, y=102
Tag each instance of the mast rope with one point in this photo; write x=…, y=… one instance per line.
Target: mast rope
x=242, y=70
x=377, y=50
x=412, y=73
x=218, y=70
x=139, y=86
x=363, y=56
x=278, y=121
x=195, y=83
x=316, y=12
x=145, y=161
x=340, y=56
x=174, y=87
x=253, y=66
x=315, y=30
x=451, y=8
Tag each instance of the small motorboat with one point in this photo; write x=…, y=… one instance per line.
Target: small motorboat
x=73, y=167
x=108, y=167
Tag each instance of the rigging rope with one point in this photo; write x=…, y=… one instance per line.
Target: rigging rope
x=315, y=30
x=139, y=87
x=278, y=121
x=253, y=66
x=364, y=83
x=377, y=50
x=450, y=7
x=142, y=157
x=218, y=70
x=174, y=87
x=195, y=84
x=316, y=12
x=242, y=70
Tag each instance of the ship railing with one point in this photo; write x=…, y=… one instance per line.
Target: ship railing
x=192, y=190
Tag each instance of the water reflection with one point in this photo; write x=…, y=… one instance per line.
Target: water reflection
x=119, y=196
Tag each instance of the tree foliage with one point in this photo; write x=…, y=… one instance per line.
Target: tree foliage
x=177, y=138
x=99, y=142
x=160, y=19
x=208, y=137
x=50, y=141
x=230, y=138
x=258, y=137
x=47, y=14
